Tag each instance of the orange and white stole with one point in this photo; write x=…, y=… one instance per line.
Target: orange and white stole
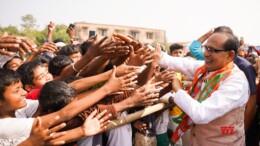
x=211, y=86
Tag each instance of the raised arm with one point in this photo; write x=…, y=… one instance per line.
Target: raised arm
x=195, y=45
x=51, y=28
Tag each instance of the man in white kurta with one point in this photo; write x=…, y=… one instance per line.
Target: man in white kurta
x=225, y=106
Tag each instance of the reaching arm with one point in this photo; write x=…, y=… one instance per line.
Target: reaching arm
x=9, y=45
x=74, y=108
x=85, y=83
x=92, y=125
x=46, y=47
x=94, y=67
x=44, y=136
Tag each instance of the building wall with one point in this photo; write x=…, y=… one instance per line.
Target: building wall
x=145, y=35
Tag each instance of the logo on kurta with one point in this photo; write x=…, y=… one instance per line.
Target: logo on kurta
x=225, y=130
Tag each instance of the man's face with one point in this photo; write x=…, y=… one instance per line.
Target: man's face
x=216, y=60
x=76, y=57
x=14, y=97
x=41, y=76
x=14, y=64
x=177, y=53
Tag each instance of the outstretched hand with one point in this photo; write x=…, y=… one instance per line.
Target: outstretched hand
x=96, y=48
x=148, y=94
x=125, y=82
x=48, y=47
x=157, y=55
x=176, y=84
x=41, y=135
x=140, y=57
x=95, y=123
x=11, y=44
x=124, y=69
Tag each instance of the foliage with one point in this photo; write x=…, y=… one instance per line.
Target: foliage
x=38, y=36
x=60, y=32
x=11, y=30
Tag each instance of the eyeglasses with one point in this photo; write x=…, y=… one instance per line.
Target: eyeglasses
x=212, y=50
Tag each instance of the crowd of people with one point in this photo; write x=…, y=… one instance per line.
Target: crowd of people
x=66, y=94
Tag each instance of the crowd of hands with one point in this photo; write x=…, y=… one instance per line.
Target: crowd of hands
x=128, y=54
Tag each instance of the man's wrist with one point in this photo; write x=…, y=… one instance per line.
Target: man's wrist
x=48, y=40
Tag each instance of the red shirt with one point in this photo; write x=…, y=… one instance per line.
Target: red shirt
x=33, y=95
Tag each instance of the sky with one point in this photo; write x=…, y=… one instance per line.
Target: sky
x=183, y=20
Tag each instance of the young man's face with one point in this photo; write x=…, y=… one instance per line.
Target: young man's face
x=177, y=53
x=41, y=76
x=76, y=57
x=14, y=64
x=14, y=97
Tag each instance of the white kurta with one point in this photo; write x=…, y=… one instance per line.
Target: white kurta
x=231, y=94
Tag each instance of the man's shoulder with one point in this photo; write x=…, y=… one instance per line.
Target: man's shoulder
x=29, y=110
x=242, y=62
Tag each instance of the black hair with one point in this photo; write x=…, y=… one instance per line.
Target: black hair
x=7, y=62
x=58, y=40
x=223, y=29
x=84, y=46
x=58, y=63
x=69, y=50
x=232, y=43
x=44, y=58
x=26, y=71
x=188, y=54
x=176, y=46
x=251, y=59
x=7, y=77
x=55, y=95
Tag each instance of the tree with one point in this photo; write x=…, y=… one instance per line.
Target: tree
x=35, y=35
x=60, y=32
x=11, y=30
x=29, y=22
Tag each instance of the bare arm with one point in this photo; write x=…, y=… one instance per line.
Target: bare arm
x=74, y=108
x=92, y=125
x=94, y=67
x=43, y=136
x=250, y=111
x=85, y=83
x=93, y=51
x=145, y=95
x=11, y=44
x=46, y=47
x=51, y=28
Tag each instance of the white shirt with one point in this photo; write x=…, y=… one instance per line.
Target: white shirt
x=231, y=94
x=15, y=130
